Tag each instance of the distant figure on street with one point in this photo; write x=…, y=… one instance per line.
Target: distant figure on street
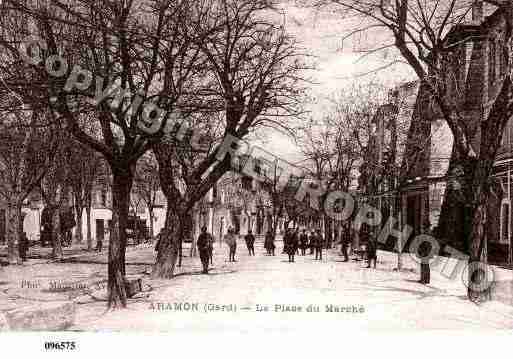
x=319, y=241
x=269, y=243
x=370, y=245
x=291, y=244
x=311, y=242
x=204, y=244
x=99, y=244
x=231, y=241
x=303, y=242
x=285, y=234
x=250, y=242
x=425, y=254
x=296, y=239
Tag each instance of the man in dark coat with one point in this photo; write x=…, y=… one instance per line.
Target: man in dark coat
x=370, y=245
x=311, y=242
x=295, y=233
x=303, y=242
x=345, y=240
x=250, y=241
x=290, y=244
x=425, y=254
x=319, y=241
x=203, y=243
x=269, y=243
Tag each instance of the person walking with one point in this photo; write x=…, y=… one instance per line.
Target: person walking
x=286, y=236
x=425, y=255
x=204, y=243
x=290, y=245
x=296, y=239
x=231, y=241
x=99, y=244
x=319, y=241
x=370, y=245
x=269, y=243
x=303, y=242
x=311, y=242
x=250, y=242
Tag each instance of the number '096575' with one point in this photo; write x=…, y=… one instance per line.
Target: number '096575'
x=60, y=345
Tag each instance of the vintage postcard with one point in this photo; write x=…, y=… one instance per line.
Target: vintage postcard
x=224, y=166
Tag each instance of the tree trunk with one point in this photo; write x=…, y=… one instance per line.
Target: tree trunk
x=88, y=224
x=328, y=233
x=122, y=184
x=152, y=216
x=478, y=288
x=170, y=243
x=79, y=208
x=196, y=230
x=180, y=253
x=56, y=233
x=14, y=218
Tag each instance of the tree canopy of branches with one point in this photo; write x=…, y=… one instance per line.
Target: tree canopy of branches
x=125, y=65
x=252, y=80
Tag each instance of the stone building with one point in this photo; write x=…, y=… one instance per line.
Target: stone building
x=236, y=201
x=428, y=174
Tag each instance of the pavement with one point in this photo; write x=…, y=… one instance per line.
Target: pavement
x=257, y=293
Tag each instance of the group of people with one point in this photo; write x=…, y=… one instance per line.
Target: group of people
x=294, y=243
x=205, y=245
x=364, y=238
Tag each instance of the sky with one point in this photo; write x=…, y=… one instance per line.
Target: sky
x=339, y=64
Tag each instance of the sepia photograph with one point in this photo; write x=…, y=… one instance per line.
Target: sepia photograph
x=254, y=166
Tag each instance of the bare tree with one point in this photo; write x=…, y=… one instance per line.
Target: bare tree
x=126, y=61
x=253, y=80
x=85, y=167
x=27, y=148
x=334, y=144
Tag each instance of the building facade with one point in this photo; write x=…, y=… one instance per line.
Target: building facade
x=428, y=180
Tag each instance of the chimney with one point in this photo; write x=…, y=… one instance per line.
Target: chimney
x=477, y=11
